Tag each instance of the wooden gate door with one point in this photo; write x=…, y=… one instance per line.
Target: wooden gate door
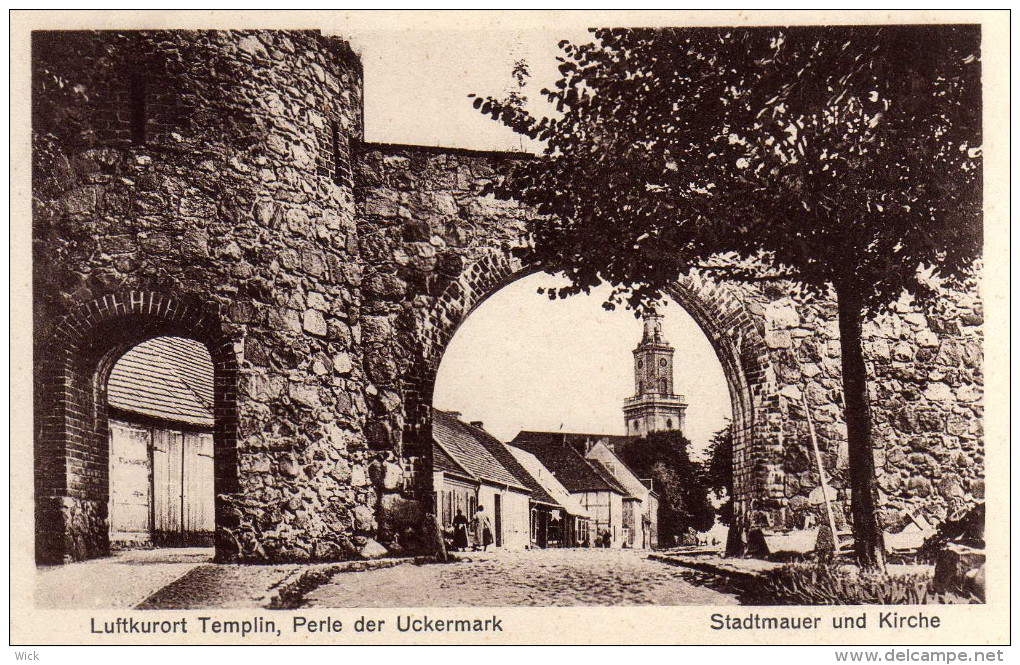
x=182, y=488
x=198, y=520
x=498, y=521
x=130, y=484
x=167, y=486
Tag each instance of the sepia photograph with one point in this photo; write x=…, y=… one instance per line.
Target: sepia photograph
x=572, y=314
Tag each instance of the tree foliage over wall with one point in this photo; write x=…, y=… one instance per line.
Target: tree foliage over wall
x=844, y=159
x=719, y=472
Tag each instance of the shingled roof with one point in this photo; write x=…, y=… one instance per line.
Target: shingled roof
x=166, y=377
x=539, y=490
x=571, y=469
x=466, y=445
x=548, y=481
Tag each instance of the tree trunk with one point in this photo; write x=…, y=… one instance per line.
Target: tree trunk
x=869, y=543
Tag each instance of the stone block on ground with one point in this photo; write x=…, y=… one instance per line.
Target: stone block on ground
x=373, y=550
x=959, y=568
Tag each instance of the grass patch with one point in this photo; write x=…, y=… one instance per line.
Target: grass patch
x=833, y=584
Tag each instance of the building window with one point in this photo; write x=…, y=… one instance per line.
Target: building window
x=138, y=116
x=669, y=423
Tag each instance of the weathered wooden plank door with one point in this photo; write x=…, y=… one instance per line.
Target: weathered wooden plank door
x=199, y=496
x=130, y=484
x=167, y=486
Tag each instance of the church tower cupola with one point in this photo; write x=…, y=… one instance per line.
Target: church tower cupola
x=654, y=407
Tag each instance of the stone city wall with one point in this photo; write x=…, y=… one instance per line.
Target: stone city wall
x=211, y=168
x=926, y=386
x=216, y=185
x=433, y=245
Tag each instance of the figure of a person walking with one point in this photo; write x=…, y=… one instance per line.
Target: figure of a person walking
x=460, y=531
x=481, y=529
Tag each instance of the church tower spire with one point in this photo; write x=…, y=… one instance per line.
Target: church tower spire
x=654, y=406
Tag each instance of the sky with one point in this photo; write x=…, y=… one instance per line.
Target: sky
x=522, y=361
x=417, y=81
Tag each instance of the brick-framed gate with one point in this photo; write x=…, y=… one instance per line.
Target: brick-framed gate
x=72, y=430
x=734, y=333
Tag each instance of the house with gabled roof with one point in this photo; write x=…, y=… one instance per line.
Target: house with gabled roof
x=467, y=474
x=594, y=487
x=640, y=506
x=566, y=523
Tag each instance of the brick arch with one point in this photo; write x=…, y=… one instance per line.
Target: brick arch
x=736, y=336
x=72, y=431
x=739, y=343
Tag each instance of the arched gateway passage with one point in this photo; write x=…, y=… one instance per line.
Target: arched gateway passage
x=738, y=342
x=73, y=429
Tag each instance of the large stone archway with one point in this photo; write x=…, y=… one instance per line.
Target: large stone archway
x=72, y=441
x=435, y=244
x=735, y=335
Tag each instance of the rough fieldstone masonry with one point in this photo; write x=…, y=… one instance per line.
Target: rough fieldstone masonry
x=209, y=168
x=216, y=185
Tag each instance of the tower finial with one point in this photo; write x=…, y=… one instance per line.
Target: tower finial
x=653, y=326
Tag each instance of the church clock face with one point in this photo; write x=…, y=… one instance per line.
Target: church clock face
x=662, y=362
x=640, y=364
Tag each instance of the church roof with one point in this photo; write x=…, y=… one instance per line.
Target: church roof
x=165, y=377
x=580, y=442
x=466, y=446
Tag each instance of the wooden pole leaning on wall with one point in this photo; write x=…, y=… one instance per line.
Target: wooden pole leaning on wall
x=821, y=476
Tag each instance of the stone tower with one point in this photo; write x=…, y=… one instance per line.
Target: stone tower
x=654, y=407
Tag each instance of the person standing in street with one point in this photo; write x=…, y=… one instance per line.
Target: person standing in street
x=460, y=531
x=481, y=529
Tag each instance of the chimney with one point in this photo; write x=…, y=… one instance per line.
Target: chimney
x=477, y=423
x=455, y=414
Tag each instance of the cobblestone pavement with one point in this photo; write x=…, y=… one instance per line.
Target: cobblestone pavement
x=530, y=578
x=122, y=580
x=221, y=586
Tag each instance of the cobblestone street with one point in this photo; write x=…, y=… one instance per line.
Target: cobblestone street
x=530, y=578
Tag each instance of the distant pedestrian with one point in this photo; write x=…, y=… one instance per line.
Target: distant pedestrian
x=460, y=531
x=481, y=529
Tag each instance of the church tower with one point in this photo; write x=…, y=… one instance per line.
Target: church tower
x=654, y=407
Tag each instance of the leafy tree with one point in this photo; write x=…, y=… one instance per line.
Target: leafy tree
x=719, y=471
x=683, y=497
x=846, y=159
